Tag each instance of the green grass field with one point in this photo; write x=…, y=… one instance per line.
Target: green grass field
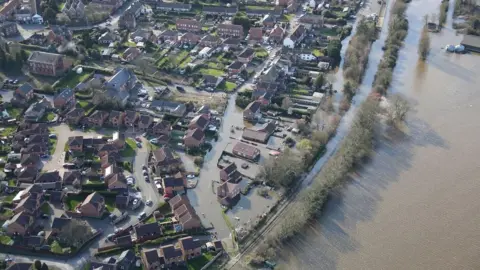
x=211, y=71
x=130, y=148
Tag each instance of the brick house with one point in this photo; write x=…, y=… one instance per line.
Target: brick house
x=277, y=34
x=47, y=64
x=194, y=138
x=8, y=29
x=75, y=143
x=74, y=116
x=269, y=21
x=190, y=38
x=131, y=54
x=200, y=121
x=188, y=25
x=246, y=151
x=144, y=232
x=115, y=118
x=93, y=205
x=236, y=67
x=164, y=161
x=190, y=249
x=66, y=99
x=255, y=35
x=230, y=30
x=171, y=255
x=174, y=183
x=144, y=122
x=252, y=111
x=246, y=56
x=25, y=91
x=59, y=34
x=131, y=118
x=210, y=41
x=20, y=224
x=98, y=118
x=230, y=174
x=228, y=193
x=162, y=128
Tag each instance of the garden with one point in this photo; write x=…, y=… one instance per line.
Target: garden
x=130, y=148
x=71, y=80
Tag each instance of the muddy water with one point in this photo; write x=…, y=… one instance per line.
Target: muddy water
x=415, y=204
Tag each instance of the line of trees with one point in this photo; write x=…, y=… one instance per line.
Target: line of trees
x=424, y=43
x=442, y=19
x=397, y=32
x=356, y=59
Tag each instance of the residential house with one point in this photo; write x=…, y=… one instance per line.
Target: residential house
x=131, y=118
x=246, y=56
x=230, y=30
x=34, y=242
x=184, y=213
x=47, y=64
x=252, y=111
x=190, y=38
x=121, y=201
x=131, y=54
x=126, y=260
x=151, y=259
x=188, y=25
x=161, y=128
x=31, y=160
x=190, y=248
x=8, y=29
x=142, y=35
x=149, y=231
x=70, y=176
x=232, y=43
x=28, y=129
x=255, y=35
x=59, y=34
x=116, y=182
x=108, y=160
x=261, y=134
x=144, y=122
x=173, y=6
x=59, y=224
x=93, y=205
x=127, y=21
x=168, y=35
x=296, y=37
x=246, y=151
x=48, y=177
x=269, y=21
x=228, y=193
x=311, y=20
x=66, y=99
x=74, y=116
x=210, y=41
x=236, y=67
x=200, y=121
x=25, y=91
x=98, y=118
x=115, y=118
x=36, y=111
x=75, y=143
x=212, y=81
x=277, y=34
x=57, y=196
x=20, y=224
x=171, y=255
x=219, y=10
x=174, y=183
x=164, y=161
x=194, y=138
x=230, y=174
x=107, y=148
x=38, y=39
x=30, y=203
x=107, y=38
x=120, y=84
x=34, y=149
x=169, y=108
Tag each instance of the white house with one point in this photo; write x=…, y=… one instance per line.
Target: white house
x=205, y=52
x=307, y=57
x=289, y=43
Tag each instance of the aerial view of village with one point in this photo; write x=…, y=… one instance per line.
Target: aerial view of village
x=150, y=134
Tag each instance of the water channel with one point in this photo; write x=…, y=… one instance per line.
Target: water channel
x=415, y=204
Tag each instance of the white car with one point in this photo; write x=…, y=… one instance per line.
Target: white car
x=190, y=176
x=149, y=202
x=158, y=185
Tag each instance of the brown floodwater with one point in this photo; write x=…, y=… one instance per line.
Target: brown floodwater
x=415, y=204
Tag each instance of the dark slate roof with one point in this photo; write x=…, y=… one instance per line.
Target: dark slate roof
x=66, y=94
x=25, y=88
x=188, y=243
x=173, y=181
x=150, y=229
x=247, y=53
x=170, y=252
x=197, y=134
x=44, y=57
x=253, y=106
x=236, y=65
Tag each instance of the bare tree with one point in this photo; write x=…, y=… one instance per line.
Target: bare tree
x=286, y=103
x=397, y=109
x=74, y=234
x=281, y=171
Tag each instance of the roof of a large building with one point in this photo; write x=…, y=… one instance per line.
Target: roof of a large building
x=44, y=57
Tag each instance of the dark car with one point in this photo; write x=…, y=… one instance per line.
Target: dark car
x=181, y=89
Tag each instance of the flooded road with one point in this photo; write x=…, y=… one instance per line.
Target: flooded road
x=415, y=204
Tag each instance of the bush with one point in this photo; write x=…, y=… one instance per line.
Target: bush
x=198, y=161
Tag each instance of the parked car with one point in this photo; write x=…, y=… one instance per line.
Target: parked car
x=136, y=203
x=158, y=185
x=142, y=215
x=149, y=202
x=52, y=136
x=190, y=176
x=139, y=145
x=138, y=139
x=181, y=89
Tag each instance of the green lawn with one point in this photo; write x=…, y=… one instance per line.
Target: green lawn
x=287, y=17
x=261, y=53
x=129, y=44
x=198, y=262
x=228, y=86
x=260, y=7
x=317, y=52
x=180, y=57
x=300, y=91
x=74, y=200
x=72, y=80
x=83, y=104
x=6, y=240
x=10, y=197
x=7, y=131
x=130, y=148
x=151, y=220
x=14, y=112
x=215, y=65
x=48, y=116
x=110, y=204
x=211, y=71
x=185, y=62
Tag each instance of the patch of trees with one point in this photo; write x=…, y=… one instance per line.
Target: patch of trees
x=424, y=43
x=398, y=27
x=10, y=62
x=242, y=19
x=442, y=19
x=281, y=171
x=75, y=234
x=243, y=99
x=49, y=10
x=105, y=102
x=334, y=48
